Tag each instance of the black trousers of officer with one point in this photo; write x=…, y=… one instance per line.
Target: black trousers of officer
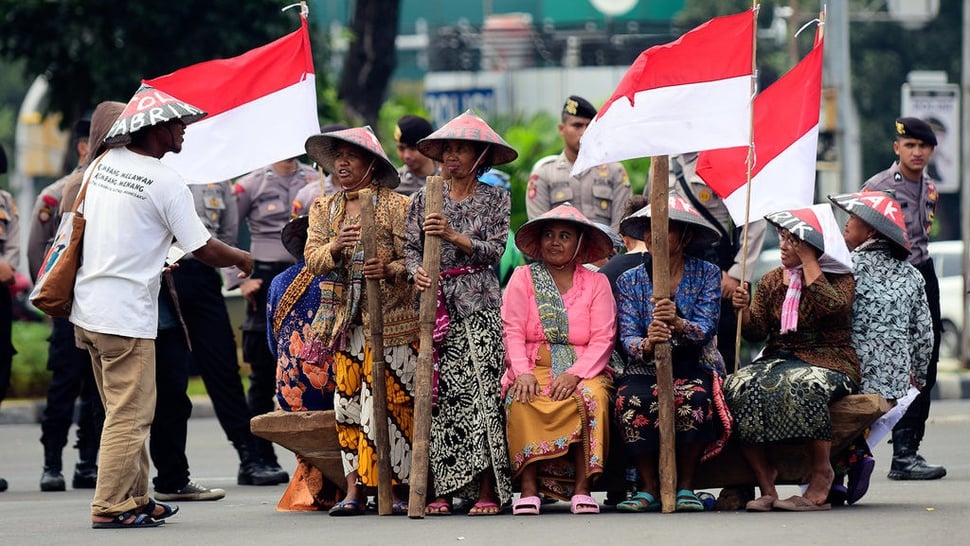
x=166, y=442
x=919, y=411
x=262, y=378
x=199, y=289
x=727, y=333
x=71, y=376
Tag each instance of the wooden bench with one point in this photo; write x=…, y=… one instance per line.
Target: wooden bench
x=310, y=434
x=850, y=417
x=313, y=435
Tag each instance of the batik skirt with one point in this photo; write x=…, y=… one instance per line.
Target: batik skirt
x=637, y=409
x=784, y=400
x=542, y=432
x=468, y=419
x=354, y=407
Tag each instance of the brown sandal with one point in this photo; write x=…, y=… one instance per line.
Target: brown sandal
x=763, y=503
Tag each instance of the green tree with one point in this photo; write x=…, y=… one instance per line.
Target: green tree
x=371, y=59
x=883, y=53
x=94, y=50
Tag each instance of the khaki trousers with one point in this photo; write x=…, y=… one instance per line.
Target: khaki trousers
x=124, y=369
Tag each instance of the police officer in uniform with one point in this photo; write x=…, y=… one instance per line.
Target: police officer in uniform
x=265, y=200
x=729, y=254
x=417, y=166
x=9, y=259
x=4, y=371
x=600, y=193
x=907, y=178
x=70, y=367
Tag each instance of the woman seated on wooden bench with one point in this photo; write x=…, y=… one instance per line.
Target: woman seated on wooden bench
x=292, y=300
x=688, y=320
x=804, y=309
x=559, y=320
x=892, y=330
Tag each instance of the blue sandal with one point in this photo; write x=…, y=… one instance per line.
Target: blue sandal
x=687, y=501
x=347, y=508
x=641, y=502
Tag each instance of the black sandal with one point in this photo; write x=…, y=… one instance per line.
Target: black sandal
x=149, y=509
x=141, y=520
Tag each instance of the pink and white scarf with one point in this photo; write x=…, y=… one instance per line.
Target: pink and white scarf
x=789, y=308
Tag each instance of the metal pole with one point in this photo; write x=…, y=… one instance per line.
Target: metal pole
x=964, y=191
x=837, y=59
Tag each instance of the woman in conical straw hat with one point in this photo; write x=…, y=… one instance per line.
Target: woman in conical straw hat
x=803, y=312
x=559, y=322
x=468, y=453
x=688, y=320
x=356, y=161
x=876, y=234
x=892, y=330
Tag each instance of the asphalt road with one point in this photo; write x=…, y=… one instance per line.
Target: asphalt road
x=893, y=513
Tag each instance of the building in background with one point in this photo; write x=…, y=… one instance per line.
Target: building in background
x=509, y=56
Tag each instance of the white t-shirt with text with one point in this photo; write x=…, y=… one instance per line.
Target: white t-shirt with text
x=134, y=207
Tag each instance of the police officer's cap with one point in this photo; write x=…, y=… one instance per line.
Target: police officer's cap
x=579, y=107
x=915, y=128
x=410, y=129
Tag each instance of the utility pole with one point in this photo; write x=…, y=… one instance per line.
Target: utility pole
x=837, y=58
x=964, y=191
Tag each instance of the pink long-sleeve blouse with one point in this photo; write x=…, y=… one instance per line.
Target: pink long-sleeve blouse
x=592, y=324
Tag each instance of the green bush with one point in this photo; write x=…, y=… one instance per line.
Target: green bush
x=30, y=377
x=534, y=138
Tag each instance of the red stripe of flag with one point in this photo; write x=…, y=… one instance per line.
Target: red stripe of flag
x=783, y=113
x=223, y=84
x=718, y=49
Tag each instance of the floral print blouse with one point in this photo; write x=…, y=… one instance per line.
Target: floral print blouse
x=698, y=300
x=483, y=217
x=300, y=385
x=891, y=327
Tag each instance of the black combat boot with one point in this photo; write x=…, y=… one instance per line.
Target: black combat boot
x=52, y=479
x=86, y=470
x=267, y=455
x=252, y=471
x=907, y=463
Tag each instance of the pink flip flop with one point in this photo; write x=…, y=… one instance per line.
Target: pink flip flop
x=479, y=509
x=584, y=504
x=438, y=508
x=526, y=506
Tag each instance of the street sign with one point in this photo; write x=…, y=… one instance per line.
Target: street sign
x=444, y=105
x=939, y=105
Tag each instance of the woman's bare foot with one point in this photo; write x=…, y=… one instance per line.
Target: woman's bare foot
x=819, y=485
x=484, y=507
x=440, y=506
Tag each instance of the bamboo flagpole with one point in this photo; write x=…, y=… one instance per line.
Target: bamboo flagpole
x=376, y=332
x=747, y=185
x=661, y=352
x=434, y=200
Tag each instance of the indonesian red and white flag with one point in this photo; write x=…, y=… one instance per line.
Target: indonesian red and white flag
x=262, y=107
x=786, y=120
x=691, y=94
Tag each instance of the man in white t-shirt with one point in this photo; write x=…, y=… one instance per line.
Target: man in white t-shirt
x=134, y=206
